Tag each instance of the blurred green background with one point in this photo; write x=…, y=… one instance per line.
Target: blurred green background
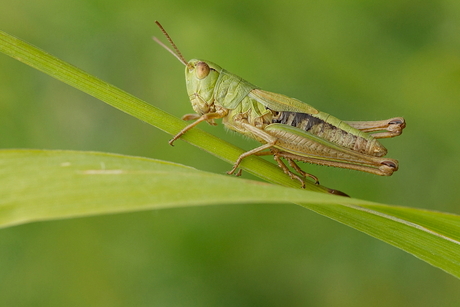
x=358, y=60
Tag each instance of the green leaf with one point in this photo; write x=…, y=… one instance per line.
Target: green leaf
x=38, y=185
x=44, y=185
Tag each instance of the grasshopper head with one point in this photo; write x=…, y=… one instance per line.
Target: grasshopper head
x=201, y=77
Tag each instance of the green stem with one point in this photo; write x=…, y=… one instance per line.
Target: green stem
x=131, y=105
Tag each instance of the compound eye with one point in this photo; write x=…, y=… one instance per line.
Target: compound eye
x=202, y=70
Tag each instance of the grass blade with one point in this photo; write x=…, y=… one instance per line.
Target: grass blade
x=38, y=185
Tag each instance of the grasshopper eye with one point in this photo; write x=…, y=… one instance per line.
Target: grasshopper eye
x=202, y=70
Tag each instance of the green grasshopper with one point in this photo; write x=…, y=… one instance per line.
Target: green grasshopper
x=288, y=128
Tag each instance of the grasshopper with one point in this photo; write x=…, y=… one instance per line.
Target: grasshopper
x=288, y=128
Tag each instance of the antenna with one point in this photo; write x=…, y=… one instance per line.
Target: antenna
x=177, y=54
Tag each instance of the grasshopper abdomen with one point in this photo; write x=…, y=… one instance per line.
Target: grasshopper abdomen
x=341, y=134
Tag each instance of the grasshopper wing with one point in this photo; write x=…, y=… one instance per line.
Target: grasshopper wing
x=279, y=102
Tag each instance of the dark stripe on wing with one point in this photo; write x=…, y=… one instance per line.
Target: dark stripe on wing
x=299, y=120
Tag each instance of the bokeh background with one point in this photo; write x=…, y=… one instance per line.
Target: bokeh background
x=358, y=60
